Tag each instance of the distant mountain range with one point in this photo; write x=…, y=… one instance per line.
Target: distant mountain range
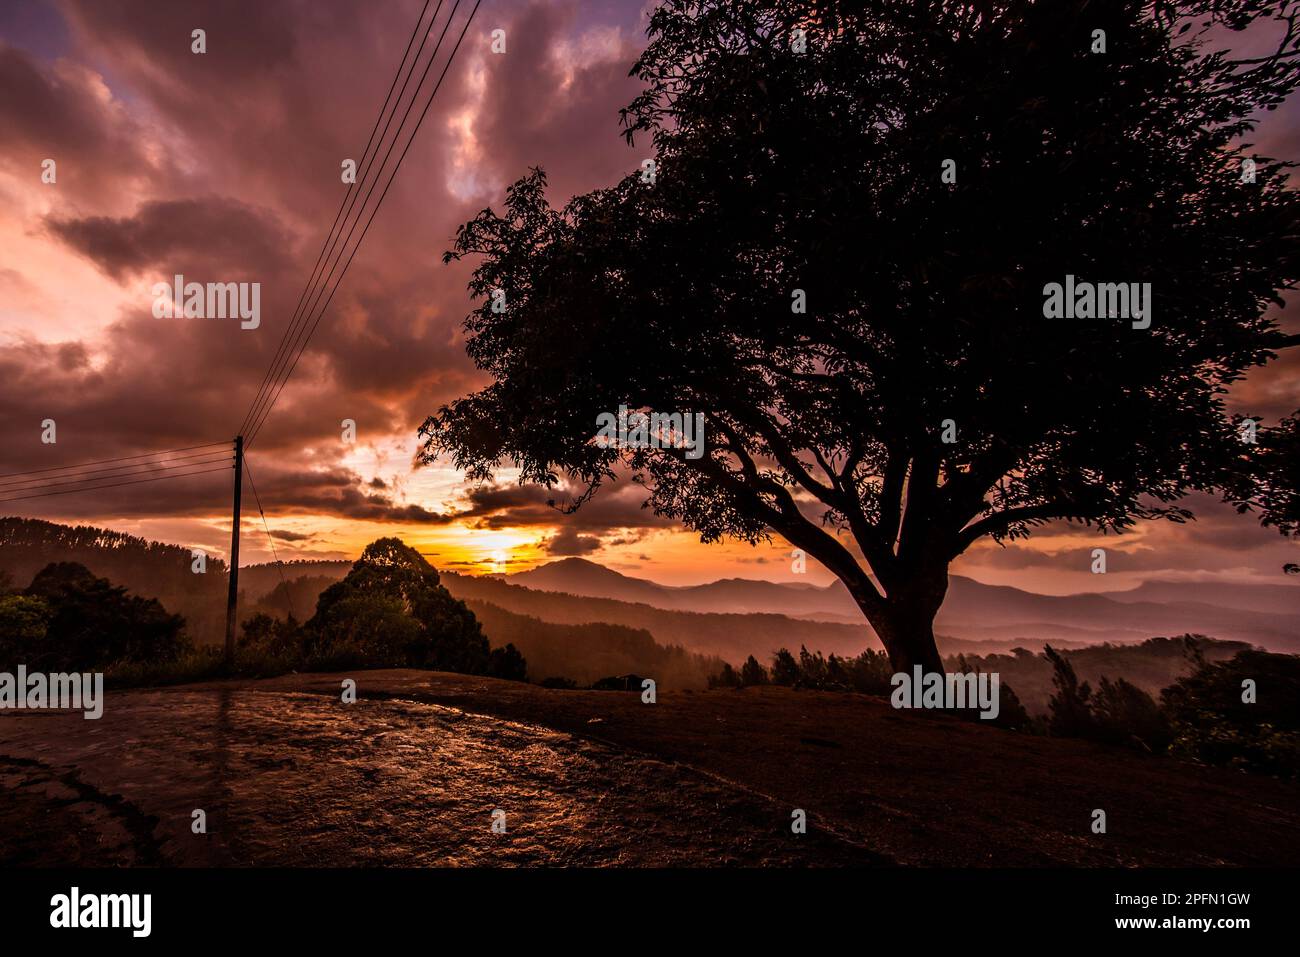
x=1267, y=615
x=730, y=618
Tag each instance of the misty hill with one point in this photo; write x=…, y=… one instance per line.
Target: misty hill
x=1278, y=599
x=977, y=612
x=146, y=568
x=1267, y=615
x=731, y=637
x=739, y=596
x=257, y=582
x=730, y=618
x=587, y=653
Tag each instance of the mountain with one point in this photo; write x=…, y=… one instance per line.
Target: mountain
x=587, y=653
x=977, y=611
x=730, y=636
x=1267, y=615
x=1277, y=599
x=730, y=618
x=739, y=596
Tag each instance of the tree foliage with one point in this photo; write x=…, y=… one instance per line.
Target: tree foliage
x=70, y=619
x=819, y=171
x=392, y=611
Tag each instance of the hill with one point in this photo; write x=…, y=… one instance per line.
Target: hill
x=1265, y=615
x=587, y=653
x=146, y=568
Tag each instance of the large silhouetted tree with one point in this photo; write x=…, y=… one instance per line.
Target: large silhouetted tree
x=1269, y=484
x=922, y=401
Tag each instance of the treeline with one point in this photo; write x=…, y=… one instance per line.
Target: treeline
x=69, y=619
x=1226, y=704
x=1241, y=713
x=1151, y=665
x=867, y=673
x=146, y=568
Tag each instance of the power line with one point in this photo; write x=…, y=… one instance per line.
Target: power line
x=258, y=425
x=348, y=197
x=288, y=369
x=288, y=599
x=123, y=458
x=156, y=478
x=100, y=473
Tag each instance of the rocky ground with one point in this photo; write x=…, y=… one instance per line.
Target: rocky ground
x=411, y=773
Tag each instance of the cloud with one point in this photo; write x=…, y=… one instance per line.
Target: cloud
x=570, y=542
x=226, y=239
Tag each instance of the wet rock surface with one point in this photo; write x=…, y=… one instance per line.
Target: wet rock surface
x=303, y=779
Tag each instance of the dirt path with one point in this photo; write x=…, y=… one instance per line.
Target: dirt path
x=302, y=779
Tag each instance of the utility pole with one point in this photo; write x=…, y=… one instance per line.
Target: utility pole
x=234, y=555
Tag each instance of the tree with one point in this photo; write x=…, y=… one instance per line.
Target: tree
x=1071, y=707
x=1216, y=722
x=279, y=638
x=726, y=678
x=1270, y=482
x=752, y=673
x=921, y=400
x=785, y=670
x=391, y=609
x=24, y=621
x=507, y=663
x=93, y=623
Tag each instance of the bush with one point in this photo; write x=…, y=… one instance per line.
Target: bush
x=507, y=663
x=726, y=678
x=752, y=673
x=785, y=670
x=1125, y=714
x=1212, y=721
x=71, y=620
x=1070, y=707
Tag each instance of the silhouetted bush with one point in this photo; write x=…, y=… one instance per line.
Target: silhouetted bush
x=1125, y=714
x=1071, y=711
x=785, y=670
x=752, y=673
x=71, y=620
x=728, y=677
x=507, y=663
x=1213, y=722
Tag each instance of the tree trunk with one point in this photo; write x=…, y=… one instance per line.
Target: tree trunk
x=908, y=636
x=905, y=623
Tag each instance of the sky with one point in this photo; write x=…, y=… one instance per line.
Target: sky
x=225, y=166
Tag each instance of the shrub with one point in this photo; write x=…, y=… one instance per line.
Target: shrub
x=1071, y=712
x=785, y=670
x=1125, y=714
x=752, y=673
x=89, y=624
x=1213, y=723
